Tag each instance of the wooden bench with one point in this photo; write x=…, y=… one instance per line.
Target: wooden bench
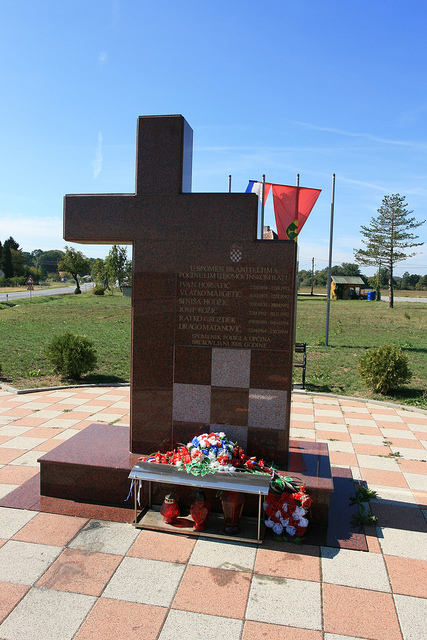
x=301, y=347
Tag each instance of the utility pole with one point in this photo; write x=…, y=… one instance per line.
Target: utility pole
x=312, y=276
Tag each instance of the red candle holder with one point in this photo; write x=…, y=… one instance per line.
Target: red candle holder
x=232, y=507
x=170, y=509
x=200, y=510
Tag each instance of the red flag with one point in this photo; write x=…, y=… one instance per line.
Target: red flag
x=292, y=206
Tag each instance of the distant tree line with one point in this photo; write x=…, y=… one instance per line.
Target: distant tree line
x=320, y=278
x=17, y=265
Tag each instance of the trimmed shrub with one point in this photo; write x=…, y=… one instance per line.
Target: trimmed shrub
x=99, y=290
x=71, y=356
x=384, y=368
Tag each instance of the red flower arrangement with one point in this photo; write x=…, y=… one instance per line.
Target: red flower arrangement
x=286, y=512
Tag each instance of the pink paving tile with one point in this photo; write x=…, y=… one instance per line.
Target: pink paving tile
x=287, y=561
x=343, y=459
x=47, y=445
x=302, y=398
x=332, y=435
x=83, y=424
x=7, y=455
x=11, y=594
x=18, y=412
x=77, y=415
x=301, y=424
x=415, y=419
x=384, y=411
x=201, y=586
x=155, y=545
x=306, y=410
x=29, y=422
x=404, y=443
x=421, y=435
x=371, y=449
x=384, y=478
x=360, y=613
x=119, y=620
x=2, y=542
x=329, y=419
x=413, y=466
x=372, y=539
x=43, y=432
x=363, y=430
x=259, y=630
x=99, y=403
x=80, y=572
x=50, y=528
x=16, y=474
x=421, y=498
x=407, y=576
x=5, y=438
x=392, y=425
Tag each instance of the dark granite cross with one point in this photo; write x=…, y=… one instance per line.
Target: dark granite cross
x=166, y=224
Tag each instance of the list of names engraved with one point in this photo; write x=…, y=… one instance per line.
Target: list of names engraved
x=233, y=306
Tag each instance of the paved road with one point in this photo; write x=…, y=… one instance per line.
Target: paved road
x=403, y=299
x=14, y=295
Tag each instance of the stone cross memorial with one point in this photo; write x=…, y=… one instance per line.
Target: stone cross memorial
x=212, y=305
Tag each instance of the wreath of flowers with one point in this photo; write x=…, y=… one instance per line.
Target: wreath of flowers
x=209, y=453
x=285, y=507
x=286, y=512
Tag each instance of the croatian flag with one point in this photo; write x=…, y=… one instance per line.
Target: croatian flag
x=256, y=187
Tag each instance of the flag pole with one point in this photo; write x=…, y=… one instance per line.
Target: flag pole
x=229, y=184
x=328, y=294
x=262, y=206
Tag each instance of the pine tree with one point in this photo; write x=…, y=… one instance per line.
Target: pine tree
x=388, y=237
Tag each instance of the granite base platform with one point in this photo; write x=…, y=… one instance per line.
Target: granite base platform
x=94, y=465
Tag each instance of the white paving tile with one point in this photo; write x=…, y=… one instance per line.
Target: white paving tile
x=382, y=417
x=224, y=555
x=28, y=459
x=402, y=434
x=360, y=422
x=338, y=445
x=7, y=488
x=354, y=569
x=295, y=603
x=365, y=439
x=13, y=431
x=194, y=626
x=331, y=426
x=105, y=537
x=45, y=613
x=302, y=417
x=146, y=581
x=25, y=562
x=416, y=481
x=410, y=454
x=403, y=543
x=12, y=520
x=295, y=432
x=377, y=462
x=412, y=614
x=421, y=428
x=23, y=442
x=393, y=495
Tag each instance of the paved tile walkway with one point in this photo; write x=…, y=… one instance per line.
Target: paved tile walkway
x=65, y=577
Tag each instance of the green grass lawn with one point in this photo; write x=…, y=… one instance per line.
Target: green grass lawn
x=27, y=328
x=355, y=326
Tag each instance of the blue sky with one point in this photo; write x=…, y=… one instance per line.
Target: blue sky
x=275, y=88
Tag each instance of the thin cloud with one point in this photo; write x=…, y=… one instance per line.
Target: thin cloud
x=97, y=163
x=102, y=58
x=366, y=136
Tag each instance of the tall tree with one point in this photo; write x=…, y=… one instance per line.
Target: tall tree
x=74, y=263
x=118, y=265
x=388, y=237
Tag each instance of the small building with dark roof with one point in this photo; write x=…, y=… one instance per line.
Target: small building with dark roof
x=346, y=287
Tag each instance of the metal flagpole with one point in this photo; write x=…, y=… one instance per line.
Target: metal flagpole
x=262, y=206
x=229, y=184
x=331, y=232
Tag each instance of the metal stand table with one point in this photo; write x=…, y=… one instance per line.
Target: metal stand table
x=150, y=517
